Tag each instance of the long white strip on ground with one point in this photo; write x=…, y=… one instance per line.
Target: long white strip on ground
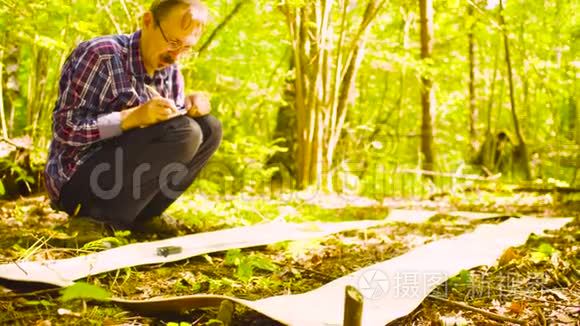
x=394, y=288
x=391, y=289
x=63, y=272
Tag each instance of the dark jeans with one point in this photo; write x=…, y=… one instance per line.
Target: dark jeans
x=137, y=175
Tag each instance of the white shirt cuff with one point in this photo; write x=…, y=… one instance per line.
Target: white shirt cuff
x=109, y=125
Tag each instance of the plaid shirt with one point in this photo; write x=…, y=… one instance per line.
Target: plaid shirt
x=100, y=78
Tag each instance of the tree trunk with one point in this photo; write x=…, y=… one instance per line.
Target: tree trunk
x=492, y=92
x=521, y=150
x=472, y=103
x=10, y=85
x=286, y=130
x=2, y=113
x=325, y=67
x=427, y=96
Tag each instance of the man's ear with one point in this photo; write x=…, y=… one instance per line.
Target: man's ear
x=148, y=20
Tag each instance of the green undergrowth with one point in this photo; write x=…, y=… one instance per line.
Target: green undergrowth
x=207, y=214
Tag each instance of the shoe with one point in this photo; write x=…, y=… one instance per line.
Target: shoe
x=164, y=226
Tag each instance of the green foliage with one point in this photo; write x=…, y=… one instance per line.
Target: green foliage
x=544, y=252
x=246, y=264
x=460, y=280
x=120, y=239
x=206, y=214
x=43, y=303
x=240, y=165
x=85, y=291
x=15, y=168
x=246, y=68
x=546, y=249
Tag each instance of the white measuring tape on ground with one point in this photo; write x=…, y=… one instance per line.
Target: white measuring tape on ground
x=63, y=272
x=391, y=289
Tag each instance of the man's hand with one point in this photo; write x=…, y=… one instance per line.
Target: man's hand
x=197, y=104
x=156, y=110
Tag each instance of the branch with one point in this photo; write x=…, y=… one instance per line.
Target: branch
x=486, y=313
x=221, y=25
x=10, y=142
x=450, y=175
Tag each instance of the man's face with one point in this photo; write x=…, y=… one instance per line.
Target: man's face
x=173, y=36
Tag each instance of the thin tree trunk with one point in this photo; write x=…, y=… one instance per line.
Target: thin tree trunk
x=10, y=93
x=347, y=83
x=323, y=82
x=286, y=130
x=472, y=104
x=2, y=115
x=426, y=9
x=492, y=92
x=527, y=119
x=521, y=151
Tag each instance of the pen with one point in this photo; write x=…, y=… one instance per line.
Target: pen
x=155, y=93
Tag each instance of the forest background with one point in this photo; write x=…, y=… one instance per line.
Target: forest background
x=353, y=96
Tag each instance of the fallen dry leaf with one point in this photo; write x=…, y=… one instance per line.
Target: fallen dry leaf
x=517, y=307
x=565, y=318
x=43, y=323
x=507, y=256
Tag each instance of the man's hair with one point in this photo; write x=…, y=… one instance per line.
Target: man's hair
x=199, y=13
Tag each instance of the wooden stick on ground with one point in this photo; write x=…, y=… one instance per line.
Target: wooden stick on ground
x=226, y=312
x=486, y=313
x=353, y=304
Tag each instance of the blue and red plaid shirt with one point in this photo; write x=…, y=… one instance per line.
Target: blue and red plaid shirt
x=100, y=78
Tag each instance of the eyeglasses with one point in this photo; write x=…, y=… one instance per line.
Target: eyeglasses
x=174, y=45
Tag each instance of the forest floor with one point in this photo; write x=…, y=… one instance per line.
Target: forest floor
x=537, y=283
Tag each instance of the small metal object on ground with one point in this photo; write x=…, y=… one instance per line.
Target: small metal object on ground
x=169, y=250
x=353, y=306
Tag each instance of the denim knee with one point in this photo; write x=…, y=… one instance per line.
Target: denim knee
x=185, y=135
x=212, y=129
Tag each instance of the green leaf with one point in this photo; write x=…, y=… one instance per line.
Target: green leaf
x=44, y=303
x=245, y=271
x=538, y=257
x=262, y=263
x=82, y=290
x=233, y=257
x=465, y=276
x=102, y=244
x=2, y=189
x=546, y=249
